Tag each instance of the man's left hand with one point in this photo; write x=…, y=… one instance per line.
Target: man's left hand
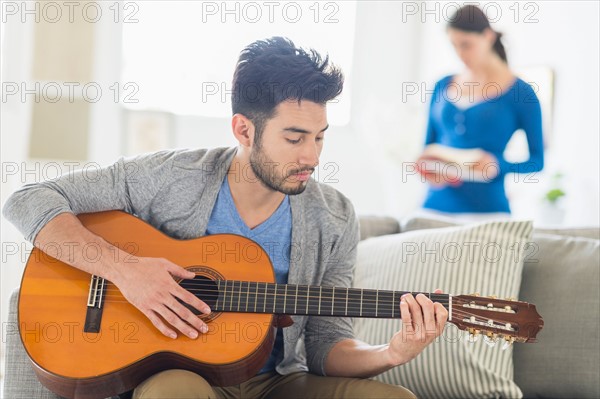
x=422, y=322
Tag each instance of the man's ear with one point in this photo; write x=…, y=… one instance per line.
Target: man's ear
x=243, y=129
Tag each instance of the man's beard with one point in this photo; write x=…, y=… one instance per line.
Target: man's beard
x=265, y=170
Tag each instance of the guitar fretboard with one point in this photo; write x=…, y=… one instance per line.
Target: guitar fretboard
x=291, y=299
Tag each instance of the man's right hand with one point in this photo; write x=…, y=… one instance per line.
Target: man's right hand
x=149, y=285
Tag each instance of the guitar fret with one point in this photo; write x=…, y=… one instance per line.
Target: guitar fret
x=225, y=298
x=326, y=296
x=285, y=299
x=219, y=295
x=393, y=303
x=332, y=300
x=307, y=297
x=265, y=298
x=227, y=293
x=274, y=297
x=247, y=296
x=376, y=302
x=361, y=301
x=255, y=295
x=239, y=296
x=320, y=291
x=296, y=301
x=224, y=295
x=302, y=299
x=347, y=291
x=234, y=295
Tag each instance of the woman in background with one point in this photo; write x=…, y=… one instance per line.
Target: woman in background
x=479, y=108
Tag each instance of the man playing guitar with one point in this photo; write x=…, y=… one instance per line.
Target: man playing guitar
x=262, y=190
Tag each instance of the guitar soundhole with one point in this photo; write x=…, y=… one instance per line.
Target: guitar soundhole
x=205, y=289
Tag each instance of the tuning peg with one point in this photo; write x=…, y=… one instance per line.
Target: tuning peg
x=490, y=339
x=493, y=296
x=473, y=336
x=476, y=294
x=512, y=299
x=507, y=343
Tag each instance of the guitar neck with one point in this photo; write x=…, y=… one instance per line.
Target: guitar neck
x=292, y=299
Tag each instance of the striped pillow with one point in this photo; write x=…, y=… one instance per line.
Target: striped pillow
x=485, y=258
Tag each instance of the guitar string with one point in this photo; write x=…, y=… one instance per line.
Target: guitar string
x=272, y=298
x=258, y=288
x=458, y=312
x=465, y=315
x=368, y=304
x=367, y=307
x=330, y=295
x=242, y=290
x=272, y=295
x=442, y=298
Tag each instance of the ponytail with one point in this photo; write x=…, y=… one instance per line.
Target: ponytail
x=499, y=48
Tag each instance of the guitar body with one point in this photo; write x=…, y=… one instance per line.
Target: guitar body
x=127, y=348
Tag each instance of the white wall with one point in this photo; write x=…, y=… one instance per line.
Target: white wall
x=14, y=125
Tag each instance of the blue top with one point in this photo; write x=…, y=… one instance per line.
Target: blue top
x=274, y=235
x=489, y=125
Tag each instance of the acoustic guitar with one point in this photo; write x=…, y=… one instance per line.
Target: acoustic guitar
x=86, y=341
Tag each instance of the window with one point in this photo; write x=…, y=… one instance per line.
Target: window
x=181, y=56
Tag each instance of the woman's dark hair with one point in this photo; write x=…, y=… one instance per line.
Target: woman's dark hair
x=274, y=70
x=470, y=18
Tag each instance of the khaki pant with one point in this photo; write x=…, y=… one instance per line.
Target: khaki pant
x=181, y=384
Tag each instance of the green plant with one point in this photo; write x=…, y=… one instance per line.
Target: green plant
x=553, y=195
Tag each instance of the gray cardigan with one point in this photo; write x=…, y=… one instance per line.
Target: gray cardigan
x=175, y=191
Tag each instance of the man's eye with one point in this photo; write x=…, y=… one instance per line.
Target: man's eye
x=320, y=138
x=293, y=141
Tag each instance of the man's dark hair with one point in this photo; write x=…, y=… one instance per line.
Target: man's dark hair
x=274, y=70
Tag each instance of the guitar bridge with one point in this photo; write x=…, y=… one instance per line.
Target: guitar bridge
x=93, y=316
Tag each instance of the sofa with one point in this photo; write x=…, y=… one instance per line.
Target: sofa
x=560, y=275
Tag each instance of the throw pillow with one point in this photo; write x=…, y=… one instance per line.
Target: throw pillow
x=485, y=258
x=562, y=279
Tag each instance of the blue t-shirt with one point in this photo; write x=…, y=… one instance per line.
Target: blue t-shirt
x=274, y=235
x=489, y=125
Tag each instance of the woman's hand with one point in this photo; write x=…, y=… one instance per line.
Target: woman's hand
x=487, y=165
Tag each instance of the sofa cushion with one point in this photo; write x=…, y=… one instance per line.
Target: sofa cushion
x=485, y=258
x=373, y=226
x=20, y=381
x=561, y=276
x=412, y=223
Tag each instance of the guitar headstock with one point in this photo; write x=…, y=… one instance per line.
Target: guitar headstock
x=496, y=318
